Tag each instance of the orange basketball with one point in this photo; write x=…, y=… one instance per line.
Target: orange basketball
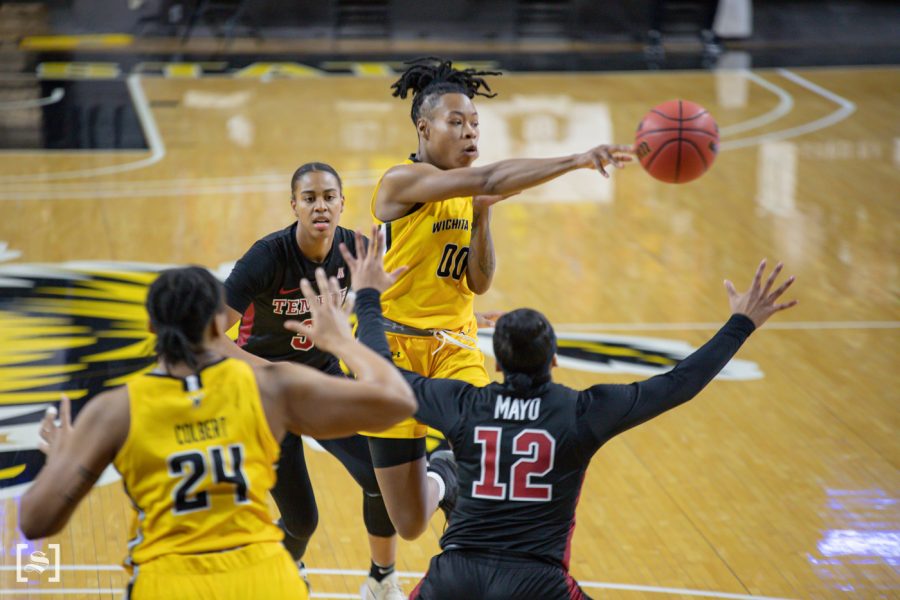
x=677, y=141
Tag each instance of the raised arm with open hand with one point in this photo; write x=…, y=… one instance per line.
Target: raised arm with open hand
x=329, y=316
x=758, y=303
x=409, y=184
x=367, y=267
x=618, y=408
x=325, y=406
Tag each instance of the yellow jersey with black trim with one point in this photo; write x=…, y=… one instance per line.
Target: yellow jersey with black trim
x=433, y=241
x=198, y=463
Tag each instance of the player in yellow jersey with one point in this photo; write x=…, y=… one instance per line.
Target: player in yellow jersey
x=435, y=210
x=196, y=440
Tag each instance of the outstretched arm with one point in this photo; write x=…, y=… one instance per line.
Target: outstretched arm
x=226, y=346
x=440, y=400
x=406, y=185
x=303, y=400
x=616, y=408
x=76, y=457
x=306, y=401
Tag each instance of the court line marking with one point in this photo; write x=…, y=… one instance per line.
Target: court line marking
x=138, y=189
x=846, y=108
x=30, y=591
x=647, y=589
x=81, y=568
x=785, y=105
x=651, y=589
x=361, y=177
x=182, y=181
x=151, y=133
x=588, y=584
x=404, y=574
x=789, y=326
x=87, y=194
x=7, y=253
x=55, y=96
x=133, y=191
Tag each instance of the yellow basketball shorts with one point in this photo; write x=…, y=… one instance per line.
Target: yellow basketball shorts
x=262, y=571
x=432, y=357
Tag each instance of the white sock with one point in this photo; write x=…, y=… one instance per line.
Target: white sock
x=442, y=488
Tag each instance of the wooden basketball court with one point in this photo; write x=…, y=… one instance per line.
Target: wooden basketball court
x=780, y=482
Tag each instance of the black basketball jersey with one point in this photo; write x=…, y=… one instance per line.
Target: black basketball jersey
x=522, y=460
x=264, y=287
x=522, y=457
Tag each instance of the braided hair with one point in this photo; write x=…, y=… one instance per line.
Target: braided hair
x=524, y=345
x=433, y=77
x=181, y=303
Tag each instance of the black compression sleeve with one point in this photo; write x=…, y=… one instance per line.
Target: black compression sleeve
x=612, y=409
x=440, y=400
x=370, y=330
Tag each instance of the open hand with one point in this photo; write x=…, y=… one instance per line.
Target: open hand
x=607, y=154
x=758, y=303
x=329, y=322
x=54, y=436
x=488, y=319
x=367, y=267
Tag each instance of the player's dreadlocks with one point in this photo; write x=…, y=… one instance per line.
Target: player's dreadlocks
x=181, y=303
x=433, y=77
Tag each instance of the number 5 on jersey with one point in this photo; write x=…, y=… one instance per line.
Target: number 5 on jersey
x=539, y=450
x=300, y=341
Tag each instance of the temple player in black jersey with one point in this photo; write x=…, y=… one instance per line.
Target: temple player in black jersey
x=263, y=291
x=523, y=446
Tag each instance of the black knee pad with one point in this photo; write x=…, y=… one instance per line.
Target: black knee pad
x=300, y=525
x=295, y=545
x=375, y=515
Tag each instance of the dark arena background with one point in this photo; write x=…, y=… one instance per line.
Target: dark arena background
x=140, y=134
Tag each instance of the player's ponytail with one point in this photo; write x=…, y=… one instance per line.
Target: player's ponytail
x=523, y=383
x=430, y=77
x=181, y=303
x=175, y=347
x=524, y=346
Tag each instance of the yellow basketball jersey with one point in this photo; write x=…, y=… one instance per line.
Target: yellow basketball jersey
x=198, y=463
x=433, y=241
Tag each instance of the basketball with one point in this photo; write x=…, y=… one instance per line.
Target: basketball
x=677, y=141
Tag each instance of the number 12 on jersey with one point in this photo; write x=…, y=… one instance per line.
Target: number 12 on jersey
x=538, y=448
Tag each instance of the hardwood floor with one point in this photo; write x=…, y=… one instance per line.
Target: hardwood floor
x=784, y=485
